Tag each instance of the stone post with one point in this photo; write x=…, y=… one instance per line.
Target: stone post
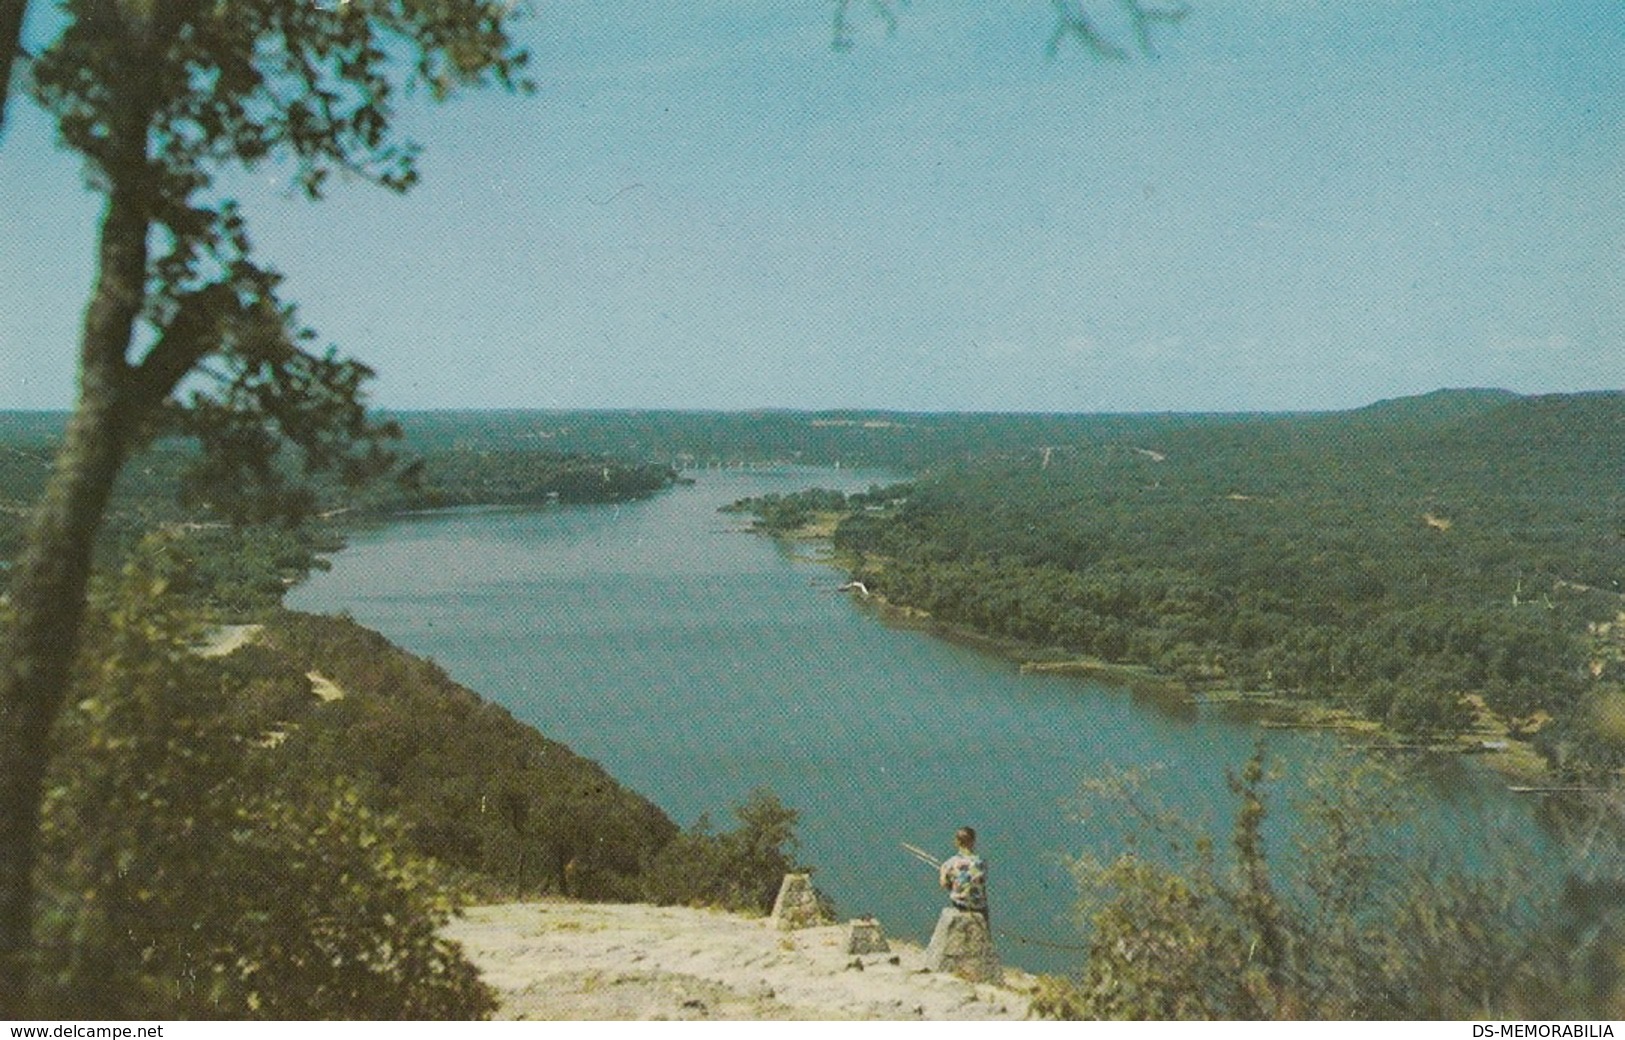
x=963, y=945
x=865, y=936
x=797, y=904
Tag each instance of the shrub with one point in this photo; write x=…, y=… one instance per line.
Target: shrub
x=739, y=870
x=1417, y=711
x=1174, y=934
x=183, y=878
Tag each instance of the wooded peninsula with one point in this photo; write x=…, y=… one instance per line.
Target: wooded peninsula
x=1443, y=565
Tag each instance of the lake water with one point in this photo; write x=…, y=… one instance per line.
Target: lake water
x=696, y=662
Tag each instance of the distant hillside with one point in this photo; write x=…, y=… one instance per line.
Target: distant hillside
x=1591, y=424
x=912, y=442
x=904, y=441
x=1435, y=408
x=37, y=427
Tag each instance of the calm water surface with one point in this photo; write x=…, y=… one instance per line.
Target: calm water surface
x=696, y=662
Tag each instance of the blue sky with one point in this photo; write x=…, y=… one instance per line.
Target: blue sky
x=1298, y=204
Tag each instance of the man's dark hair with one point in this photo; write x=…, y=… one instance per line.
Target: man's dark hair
x=965, y=837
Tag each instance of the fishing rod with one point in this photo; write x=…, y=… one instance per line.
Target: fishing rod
x=921, y=855
x=926, y=858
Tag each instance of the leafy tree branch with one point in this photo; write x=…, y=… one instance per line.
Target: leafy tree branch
x=159, y=99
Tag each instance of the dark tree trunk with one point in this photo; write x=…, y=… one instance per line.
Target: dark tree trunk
x=11, y=32
x=49, y=583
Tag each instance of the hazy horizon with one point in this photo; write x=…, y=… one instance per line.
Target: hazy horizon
x=1296, y=206
x=834, y=409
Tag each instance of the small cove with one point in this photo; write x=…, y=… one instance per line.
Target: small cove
x=696, y=662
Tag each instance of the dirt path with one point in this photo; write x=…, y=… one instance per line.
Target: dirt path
x=561, y=960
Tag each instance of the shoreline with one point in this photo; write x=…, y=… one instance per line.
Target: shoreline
x=1488, y=742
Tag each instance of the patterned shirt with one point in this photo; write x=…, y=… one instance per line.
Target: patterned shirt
x=965, y=877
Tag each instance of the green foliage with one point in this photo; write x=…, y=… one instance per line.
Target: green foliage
x=738, y=870
x=452, y=475
x=778, y=514
x=160, y=99
x=903, y=442
x=1394, y=560
x=474, y=788
x=241, y=570
x=188, y=875
x=1058, y=997
x=1182, y=940
x=222, y=843
x=185, y=331
x=1075, y=25
x=1418, y=711
x=781, y=514
x=1348, y=933
x=1163, y=948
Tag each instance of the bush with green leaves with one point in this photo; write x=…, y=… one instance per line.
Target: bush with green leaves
x=475, y=788
x=738, y=870
x=1180, y=931
x=185, y=876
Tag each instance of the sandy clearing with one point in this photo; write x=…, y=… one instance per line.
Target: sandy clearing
x=325, y=688
x=227, y=638
x=562, y=960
